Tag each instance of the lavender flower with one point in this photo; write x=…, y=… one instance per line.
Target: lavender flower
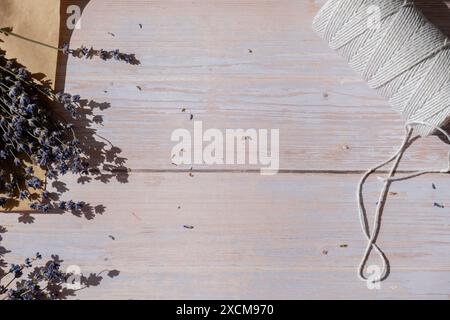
x=29, y=281
x=29, y=133
x=79, y=52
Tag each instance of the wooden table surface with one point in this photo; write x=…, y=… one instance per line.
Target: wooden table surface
x=240, y=64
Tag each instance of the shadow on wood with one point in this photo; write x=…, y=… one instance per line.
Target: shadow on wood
x=437, y=12
x=65, y=35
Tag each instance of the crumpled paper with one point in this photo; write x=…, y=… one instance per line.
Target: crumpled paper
x=37, y=20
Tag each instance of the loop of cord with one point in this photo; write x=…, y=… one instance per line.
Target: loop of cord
x=373, y=236
x=407, y=60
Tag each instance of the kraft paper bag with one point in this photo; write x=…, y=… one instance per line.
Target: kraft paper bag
x=38, y=20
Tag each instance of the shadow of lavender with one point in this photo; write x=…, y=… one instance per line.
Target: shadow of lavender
x=102, y=158
x=105, y=165
x=47, y=281
x=65, y=35
x=3, y=252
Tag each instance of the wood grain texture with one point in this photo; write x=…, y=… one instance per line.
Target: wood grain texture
x=195, y=55
x=253, y=237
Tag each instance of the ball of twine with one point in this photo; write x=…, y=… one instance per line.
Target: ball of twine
x=406, y=59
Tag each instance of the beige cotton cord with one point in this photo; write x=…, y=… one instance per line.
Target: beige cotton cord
x=406, y=59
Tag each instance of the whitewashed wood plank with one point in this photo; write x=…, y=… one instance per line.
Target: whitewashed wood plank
x=195, y=55
x=253, y=237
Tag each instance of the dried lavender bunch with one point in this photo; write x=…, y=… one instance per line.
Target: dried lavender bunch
x=37, y=284
x=38, y=280
x=83, y=52
x=47, y=281
x=32, y=137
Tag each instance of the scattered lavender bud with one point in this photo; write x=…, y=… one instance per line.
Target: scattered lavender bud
x=438, y=205
x=66, y=49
